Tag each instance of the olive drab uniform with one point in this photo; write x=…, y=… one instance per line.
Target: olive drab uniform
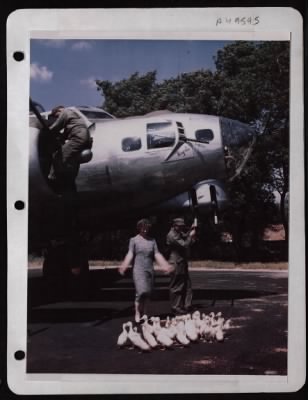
x=180, y=284
x=77, y=138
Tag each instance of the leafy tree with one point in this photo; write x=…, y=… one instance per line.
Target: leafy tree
x=131, y=96
x=255, y=90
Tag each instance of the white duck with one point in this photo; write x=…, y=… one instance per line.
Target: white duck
x=212, y=318
x=181, y=334
x=190, y=329
x=217, y=328
x=196, y=317
x=162, y=335
x=147, y=331
x=168, y=322
x=136, y=338
x=163, y=338
x=148, y=323
x=219, y=320
x=214, y=326
x=202, y=325
x=206, y=328
x=219, y=334
x=123, y=337
x=227, y=324
x=156, y=325
x=172, y=331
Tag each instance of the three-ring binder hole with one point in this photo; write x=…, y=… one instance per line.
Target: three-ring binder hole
x=19, y=205
x=19, y=355
x=18, y=55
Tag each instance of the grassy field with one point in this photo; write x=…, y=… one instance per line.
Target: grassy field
x=201, y=264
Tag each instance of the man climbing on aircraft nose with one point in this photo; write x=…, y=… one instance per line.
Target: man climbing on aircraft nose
x=75, y=138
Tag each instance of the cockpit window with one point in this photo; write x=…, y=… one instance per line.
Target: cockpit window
x=131, y=143
x=160, y=134
x=204, y=135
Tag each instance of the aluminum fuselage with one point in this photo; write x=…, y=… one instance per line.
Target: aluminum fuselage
x=118, y=182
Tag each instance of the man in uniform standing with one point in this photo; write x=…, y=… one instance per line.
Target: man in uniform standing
x=179, y=243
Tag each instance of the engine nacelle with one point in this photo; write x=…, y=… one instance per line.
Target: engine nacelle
x=204, y=198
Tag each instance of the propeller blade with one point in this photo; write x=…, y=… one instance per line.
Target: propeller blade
x=194, y=201
x=194, y=205
x=214, y=202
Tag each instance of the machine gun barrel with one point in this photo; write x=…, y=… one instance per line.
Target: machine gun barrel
x=38, y=115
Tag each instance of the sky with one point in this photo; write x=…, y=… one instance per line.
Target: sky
x=64, y=71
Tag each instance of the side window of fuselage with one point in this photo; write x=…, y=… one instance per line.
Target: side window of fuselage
x=131, y=143
x=204, y=135
x=160, y=134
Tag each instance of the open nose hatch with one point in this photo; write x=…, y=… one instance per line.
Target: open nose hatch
x=238, y=142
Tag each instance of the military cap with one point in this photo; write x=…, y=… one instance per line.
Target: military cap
x=179, y=221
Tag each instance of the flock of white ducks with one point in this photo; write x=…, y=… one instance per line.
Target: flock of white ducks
x=179, y=330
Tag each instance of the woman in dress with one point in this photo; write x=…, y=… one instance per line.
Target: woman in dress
x=142, y=252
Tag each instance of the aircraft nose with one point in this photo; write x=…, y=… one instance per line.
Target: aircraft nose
x=235, y=133
x=238, y=141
